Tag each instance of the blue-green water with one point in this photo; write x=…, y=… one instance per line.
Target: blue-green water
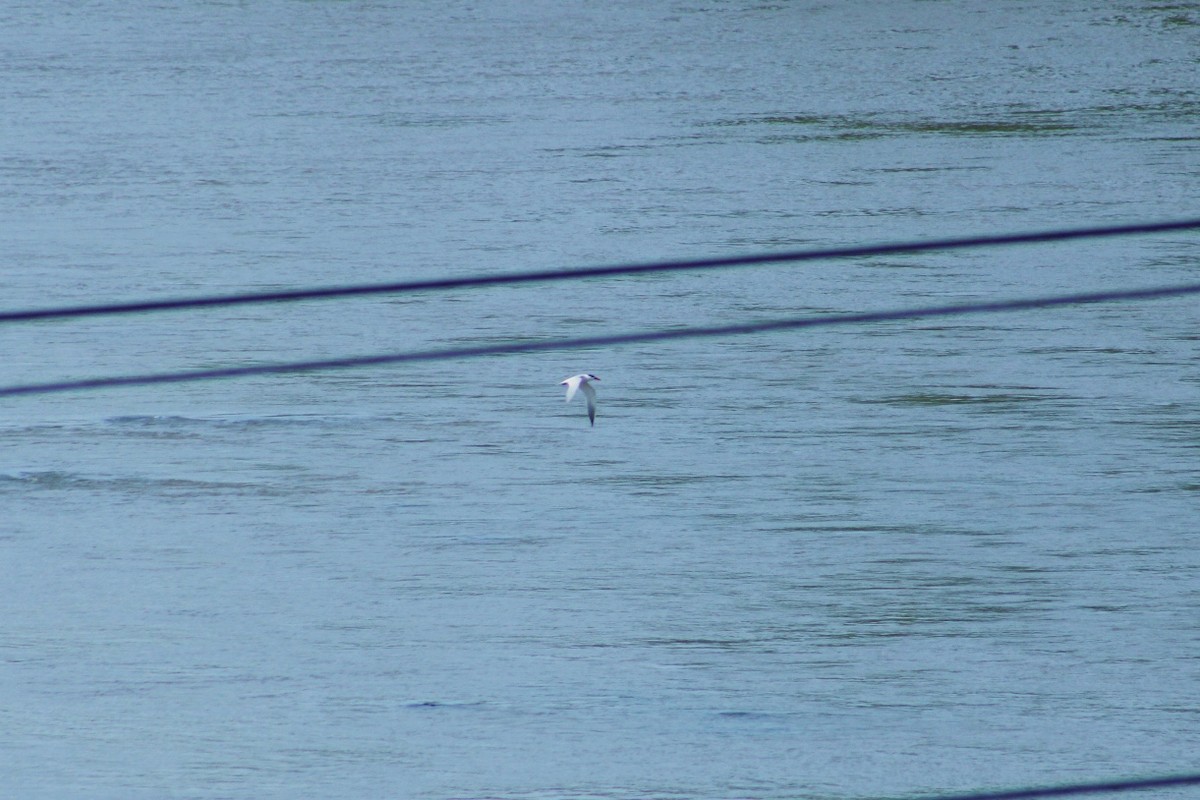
x=839, y=563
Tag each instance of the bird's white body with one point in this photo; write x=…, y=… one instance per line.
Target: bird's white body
x=583, y=383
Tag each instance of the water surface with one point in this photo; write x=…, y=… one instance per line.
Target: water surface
x=844, y=562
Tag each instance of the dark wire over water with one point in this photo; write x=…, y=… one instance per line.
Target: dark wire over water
x=543, y=276
x=607, y=340
x=1063, y=790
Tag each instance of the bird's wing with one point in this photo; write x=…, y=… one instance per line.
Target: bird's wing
x=572, y=387
x=591, y=398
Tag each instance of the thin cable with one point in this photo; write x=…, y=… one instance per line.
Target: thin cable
x=542, y=276
x=606, y=340
x=1135, y=784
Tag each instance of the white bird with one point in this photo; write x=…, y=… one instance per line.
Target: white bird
x=577, y=382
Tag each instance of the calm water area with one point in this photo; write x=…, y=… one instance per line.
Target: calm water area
x=848, y=562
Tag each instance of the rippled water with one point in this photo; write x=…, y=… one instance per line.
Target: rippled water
x=844, y=562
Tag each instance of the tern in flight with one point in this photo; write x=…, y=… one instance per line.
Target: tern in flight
x=577, y=382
